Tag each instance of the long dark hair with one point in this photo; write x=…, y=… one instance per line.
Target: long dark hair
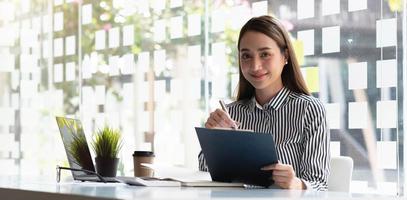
x=291, y=75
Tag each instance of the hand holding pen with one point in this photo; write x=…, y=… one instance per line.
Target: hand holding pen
x=220, y=118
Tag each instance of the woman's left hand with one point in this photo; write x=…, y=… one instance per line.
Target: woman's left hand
x=284, y=176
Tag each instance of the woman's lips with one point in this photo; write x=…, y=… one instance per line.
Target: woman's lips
x=259, y=76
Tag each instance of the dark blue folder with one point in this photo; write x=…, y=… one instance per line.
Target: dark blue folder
x=237, y=155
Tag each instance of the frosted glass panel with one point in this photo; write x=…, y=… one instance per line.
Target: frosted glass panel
x=156, y=68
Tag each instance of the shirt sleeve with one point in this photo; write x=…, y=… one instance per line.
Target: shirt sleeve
x=316, y=157
x=202, y=162
x=307, y=184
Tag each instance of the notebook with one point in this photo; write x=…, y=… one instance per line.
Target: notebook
x=186, y=177
x=238, y=155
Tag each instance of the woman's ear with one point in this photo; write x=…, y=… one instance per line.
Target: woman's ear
x=286, y=56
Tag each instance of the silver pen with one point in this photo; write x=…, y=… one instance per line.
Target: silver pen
x=223, y=105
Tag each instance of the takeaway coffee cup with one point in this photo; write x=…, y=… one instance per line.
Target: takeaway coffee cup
x=143, y=157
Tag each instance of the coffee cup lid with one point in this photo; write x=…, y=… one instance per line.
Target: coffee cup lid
x=143, y=153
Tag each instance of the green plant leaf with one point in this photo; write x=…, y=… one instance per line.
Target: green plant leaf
x=107, y=142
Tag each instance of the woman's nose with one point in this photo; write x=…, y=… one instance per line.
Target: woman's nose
x=256, y=63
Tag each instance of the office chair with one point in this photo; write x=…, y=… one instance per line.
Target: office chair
x=341, y=174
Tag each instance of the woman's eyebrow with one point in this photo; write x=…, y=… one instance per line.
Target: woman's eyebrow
x=264, y=48
x=259, y=49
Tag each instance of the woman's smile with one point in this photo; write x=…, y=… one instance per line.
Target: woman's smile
x=259, y=76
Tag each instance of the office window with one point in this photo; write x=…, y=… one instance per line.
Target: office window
x=148, y=68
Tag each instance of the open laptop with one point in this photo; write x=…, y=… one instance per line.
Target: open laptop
x=238, y=155
x=68, y=129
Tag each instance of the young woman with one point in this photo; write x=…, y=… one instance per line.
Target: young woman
x=273, y=98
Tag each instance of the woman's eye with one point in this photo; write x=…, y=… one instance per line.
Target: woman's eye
x=264, y=55
x=245, y=56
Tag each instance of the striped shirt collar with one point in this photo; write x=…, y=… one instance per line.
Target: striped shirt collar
x=275, y=102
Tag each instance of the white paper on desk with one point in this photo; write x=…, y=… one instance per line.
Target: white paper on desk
x=90, y=184
x=178, y=173
x=187, y=177
x=136, y=181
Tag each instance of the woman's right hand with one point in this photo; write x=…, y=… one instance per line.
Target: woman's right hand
x=219, y=119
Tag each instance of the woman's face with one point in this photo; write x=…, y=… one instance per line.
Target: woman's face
x=261, y=61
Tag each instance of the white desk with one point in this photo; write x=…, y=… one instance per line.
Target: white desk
x=15, y=188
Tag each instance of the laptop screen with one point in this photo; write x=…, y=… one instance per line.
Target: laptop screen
x=76, y=147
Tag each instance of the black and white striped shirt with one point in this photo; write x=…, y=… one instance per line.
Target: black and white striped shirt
x=298, y=125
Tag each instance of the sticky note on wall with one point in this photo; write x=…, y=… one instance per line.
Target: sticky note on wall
x=311, y=76
x=70, y=45
x=70, y=71
x=395, y=5
x=331, y=37
x=128, y=35
x=386, y=114
x=58, y=47
x=299, y=51
x=386, y=32
x=357, y=75
x=159, y=30
x=58, y=73
x=357, y=115
x=305, y=9
x=114, y=37
x=387, y=154
x=100, y=39
x=194, y=24
x=330, y=7
x=259, y=8
x=176, y=28
x=335, y=148
x=386, y=73
x=87, y=14
x=307, y=37
x=58, y=21
x=333, y=115
x=355, y=5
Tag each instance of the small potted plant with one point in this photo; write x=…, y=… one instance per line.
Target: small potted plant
x=106, y=144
